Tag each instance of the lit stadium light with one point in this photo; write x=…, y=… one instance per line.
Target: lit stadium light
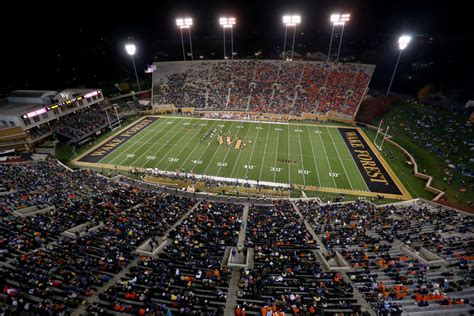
x=185, y=23
x=345, y=18
x=131, y=49
x=340, y=19
x=403, y=41
x=336, y=20
x=228, y=23
x=402, y=44
x=290, y=20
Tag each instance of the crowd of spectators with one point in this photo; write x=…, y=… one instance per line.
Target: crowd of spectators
x=188, y=276
x=44, y=271
x=370, y=239
x=286, y=277
x=38, y=131
x=171, y=92
x=267, y=86
x=83, y=123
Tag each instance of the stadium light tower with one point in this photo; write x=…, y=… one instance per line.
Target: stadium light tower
x=185, y=23
x=131, y=50
x=334, y=18
x=402, y=44
x=228, y=23
x=338, y=19
x=292, y=21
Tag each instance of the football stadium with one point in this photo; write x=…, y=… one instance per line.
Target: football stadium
x=282, y=182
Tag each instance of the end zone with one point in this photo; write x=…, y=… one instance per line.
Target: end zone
x=99, y=152
x=376, y=172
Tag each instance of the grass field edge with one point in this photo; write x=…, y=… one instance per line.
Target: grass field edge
x=405, y=194
x=76, y=161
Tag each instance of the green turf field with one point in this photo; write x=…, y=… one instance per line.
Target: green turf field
x=298, y=154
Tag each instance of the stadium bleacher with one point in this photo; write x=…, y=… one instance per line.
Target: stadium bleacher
x=70, y=239
x=372, y=240
x=80, y=125
x=267, y=86
x=286, y=276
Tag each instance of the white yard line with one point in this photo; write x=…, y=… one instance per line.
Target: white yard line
x=228, y=151
x=253, y=149
x=184, y=147
x=314, y=155
x=169, y=148
x=194, y=148
x=152, y=147
x=215, y=151
x=264, y=152
x=276, y=157
x=158, y=127
x=289, y=165
x=343, y=167
x=240, y=151
x=326, y=154
x=302, y=160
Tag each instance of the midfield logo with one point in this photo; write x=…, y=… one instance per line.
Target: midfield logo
x=236, y=142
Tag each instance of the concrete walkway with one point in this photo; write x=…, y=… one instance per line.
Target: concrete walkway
x=322, y=248
x=356, y=293
x=231, y=302
x=243, y=226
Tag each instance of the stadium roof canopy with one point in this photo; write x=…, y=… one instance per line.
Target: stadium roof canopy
x=17, y=108
x=287, y=54
x=31, y=94
x=317, y=56
x=23, y=101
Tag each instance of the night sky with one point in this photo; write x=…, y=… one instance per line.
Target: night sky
x=81, y=43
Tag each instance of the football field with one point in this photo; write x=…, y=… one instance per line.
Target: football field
x=318, y=157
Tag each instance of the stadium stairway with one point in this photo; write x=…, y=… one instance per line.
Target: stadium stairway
x=355, y=292
x=243, y=226
x=231, y=302
x=81, y=310
x=311, y=231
